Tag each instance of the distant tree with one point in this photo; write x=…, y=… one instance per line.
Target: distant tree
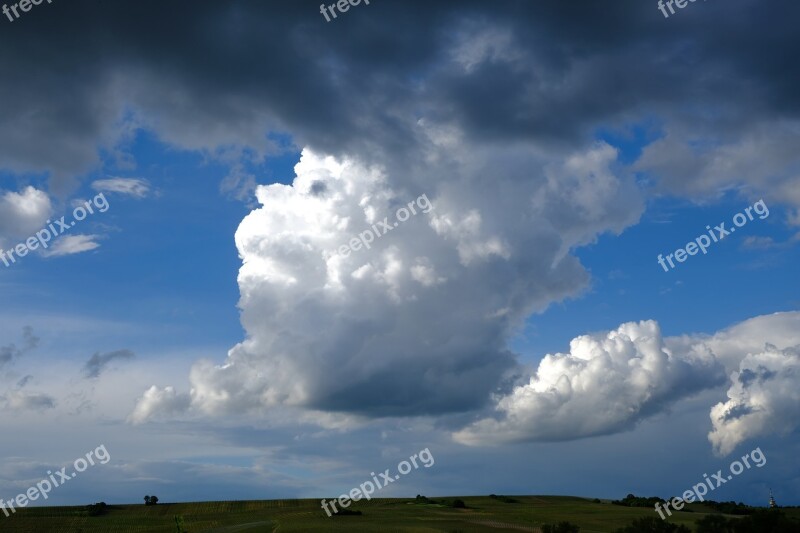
x=561, y=527
x=634, y=501
x=150, y=500
x=759, y=521
x=730, y=507
x=459, y=504
x=96, y=509
x=504, y=499
x=653, y=525
x=147, y=500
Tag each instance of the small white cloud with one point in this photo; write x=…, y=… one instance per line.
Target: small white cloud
x=137, y=188
x=756, y=242
x=155, y=401
x=424, y=272
x=23, y=213
x=768, y=243
x=72, y=244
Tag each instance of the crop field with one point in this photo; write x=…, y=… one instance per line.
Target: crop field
x=519, y=513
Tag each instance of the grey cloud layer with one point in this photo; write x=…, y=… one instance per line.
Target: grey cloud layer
x=227, y=73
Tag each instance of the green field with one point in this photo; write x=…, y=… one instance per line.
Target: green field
x=385, y=515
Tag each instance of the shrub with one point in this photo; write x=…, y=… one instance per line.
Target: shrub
x=347, y=512
x=504, y=499
x=713, y=523
x=765, y=521
x=561, y=527
x=653, y=525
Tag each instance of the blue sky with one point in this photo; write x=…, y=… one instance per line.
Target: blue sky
x=522, y=330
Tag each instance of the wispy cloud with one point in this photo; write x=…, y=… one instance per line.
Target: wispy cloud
x=137, y=188
x=23, y=401
x=98, y=362
x=768, y=243
x=10, y=352
x=73, y=244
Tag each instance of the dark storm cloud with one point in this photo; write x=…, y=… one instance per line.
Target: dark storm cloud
x=207, y=74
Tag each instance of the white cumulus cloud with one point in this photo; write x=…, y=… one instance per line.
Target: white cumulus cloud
x=764, y=398
x=164, y=401
x=609, y=382
x=418, y=323
x=605, y=384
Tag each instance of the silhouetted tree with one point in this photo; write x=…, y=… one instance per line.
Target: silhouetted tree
x=96, y=509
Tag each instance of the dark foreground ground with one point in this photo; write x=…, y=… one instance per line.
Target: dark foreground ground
x=519, y=513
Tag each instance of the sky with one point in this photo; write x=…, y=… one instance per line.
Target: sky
x=296, y=251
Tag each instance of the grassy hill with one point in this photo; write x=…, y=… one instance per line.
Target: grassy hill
x=522, y=513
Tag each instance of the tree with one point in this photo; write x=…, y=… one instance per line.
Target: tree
x=96, y=509
x=150, y=500
x=147, y=500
